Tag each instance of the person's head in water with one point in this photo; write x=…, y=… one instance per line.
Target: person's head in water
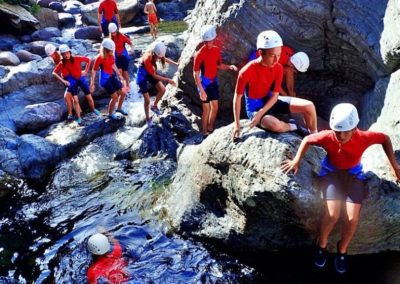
x=344, y=120
x=270, y=45
x=208, y=34
x=98, y=244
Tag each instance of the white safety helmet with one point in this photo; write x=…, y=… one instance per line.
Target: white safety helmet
x=108, y=44
x=208, y=32
x=269, y=39
x=50, y=49
x=98, y=244
x=300, y=61
x=64, y=48
x=344, y=117
x=112, y=28
x=160, y=49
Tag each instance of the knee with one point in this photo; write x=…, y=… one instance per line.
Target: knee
x=353, y=221
x=114, y=96
x=161, y=89
x=332, y=218
x=310, y=108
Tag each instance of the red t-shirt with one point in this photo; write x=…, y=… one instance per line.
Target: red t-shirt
x=206, y=60
x=286, y=53
x=259, y=79
x=120, y=40
x=108, y=8
x=74, y=69
x=56, y=57
x=106, y=64
x=345, y=156
x=111, y=267
x=148, y=65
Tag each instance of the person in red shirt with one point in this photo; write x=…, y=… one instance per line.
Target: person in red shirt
x=121, y=54
x=107, y=13
x=147, y=75
x=69, y=72
x=53, y=53
x=292, y=63
x=106, y=266
x=151, y=11
x=260, y=80
x=342, y=176
x=108, y=77
x=207, y=61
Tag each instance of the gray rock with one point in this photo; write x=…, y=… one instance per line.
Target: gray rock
x=56, y=6
x=37, y=47
x=127, y=11
x=72, y=7
x=389, y=41
x=66, y=20
x=7, y=185
x=3, y=72
x=46, y=33
x=236, y=194
x=91, y=32
x=26, y=38
x=9, y=161
x=43, y=3
x=38, y=116
x=7, y=42
x=19, y=19
x=8, y=58
x=26, y=56
x=47, y=18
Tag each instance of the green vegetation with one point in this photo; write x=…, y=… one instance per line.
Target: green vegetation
x=172, y=26
x=35, y=8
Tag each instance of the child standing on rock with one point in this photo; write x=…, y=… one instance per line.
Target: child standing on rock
x=151, y=11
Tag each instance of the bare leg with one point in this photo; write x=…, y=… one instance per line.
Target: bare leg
x=69, y=101
x=328, y=221
x=350, y=225
x=146, y=105
x=125, y=74
x=205, y=117
x=78, y=109
x=306, y=108
x=121, y=98
x=271, y=123
x=90, y=101
x=160, y=92
x=113, y=102
x=213, y=115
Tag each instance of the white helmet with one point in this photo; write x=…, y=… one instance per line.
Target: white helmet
x=108, y=44
x=112, y=27
x=98, y=244
x=160, y=49
x=50, y=49
x=208, y=32
x=64, y=48
x=301, y=61
x=344, y=117
x=269, y=39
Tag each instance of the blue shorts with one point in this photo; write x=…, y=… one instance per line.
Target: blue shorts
x=75, y=84
x=105, y=23
x=110, y=82
x=144, y=79
x=122, y=61
x=211, y=88
x=282, y=105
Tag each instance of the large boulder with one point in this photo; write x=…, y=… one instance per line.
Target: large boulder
x=14, y=17
x=8, y=58
x=9, y=161
x=7, y=42
x=127, y=11
x=390, y=40
x=91, y=32
x=56, y=6
x=26, y=56
x=38, y=116
x=37, y=47
x=47, y=18
x=236, y=194
x=66, y=20
x=72, y=7
x=46, y=33
x=341, y=38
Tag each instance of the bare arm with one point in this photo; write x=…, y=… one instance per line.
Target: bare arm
x=289, y=78
x=237, y=104
x=146, y=11
x=118, y=20
x=227, y=67
x=163, y=79
x=61, y=79
x=170, y=61
x=388, y=148
x=99, y=21
x=294, y=164
x=92, y=76
x=203, y=95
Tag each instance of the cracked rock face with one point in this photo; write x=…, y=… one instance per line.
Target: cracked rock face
x=342, y=39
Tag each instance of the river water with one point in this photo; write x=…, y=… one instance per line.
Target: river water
x=43, y=231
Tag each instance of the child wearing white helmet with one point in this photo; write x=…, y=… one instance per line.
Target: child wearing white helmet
x=207, y=62
x=107, y=13
x=108, y=265
x=292, y=63
x=151, y=11
x=51, y=51
x=121, y=54
x=105, y=61
x=342, y=177
x=260, y=81
x=69, y=72
x=147, y=76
